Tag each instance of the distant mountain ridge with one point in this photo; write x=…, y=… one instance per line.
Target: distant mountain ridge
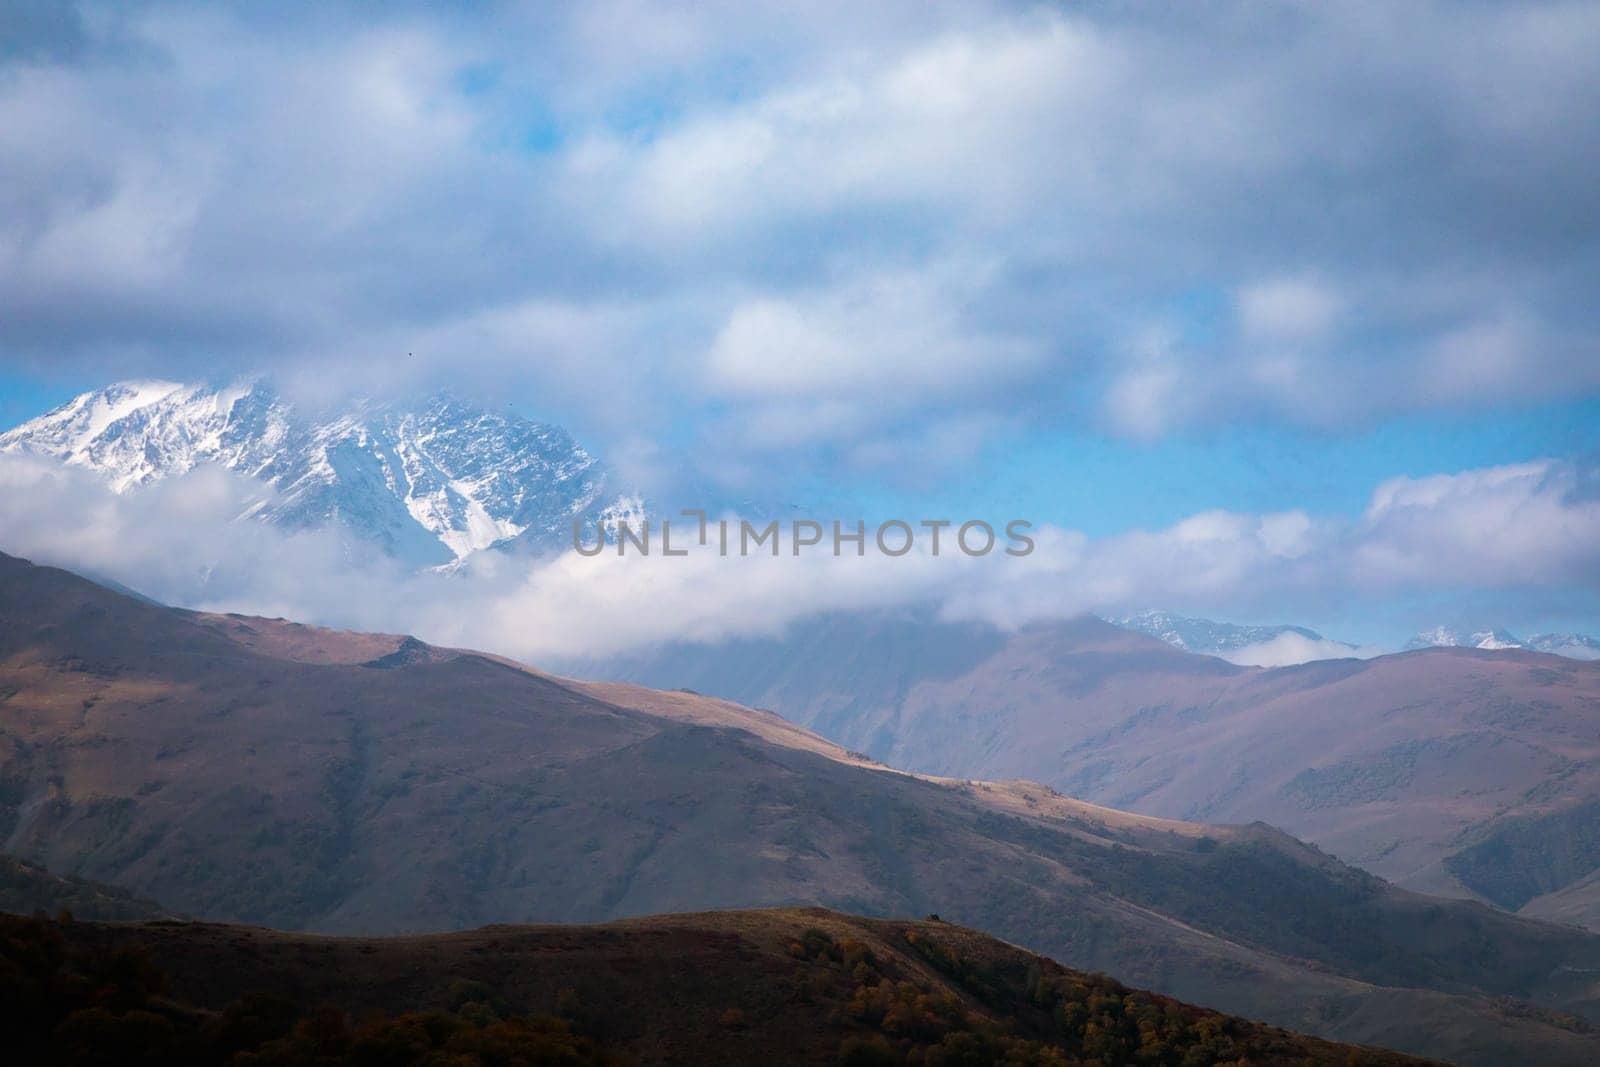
x=1284, y=645
x=428, y=482
x=1204, y=635
x=1571, y=645
x=1247, y=646
x=1448, y=637
x=1438, y=768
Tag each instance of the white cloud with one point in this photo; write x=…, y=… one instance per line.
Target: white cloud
x=897, y=335
x=1521, y=524
x=1286, y=310
x=1525, y=528
x=1289, y=648
x=743, y=203
x=1147, y=401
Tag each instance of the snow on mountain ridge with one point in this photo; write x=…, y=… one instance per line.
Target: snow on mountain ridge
x=1569, y=645
x=1277, y=646
x=71, y=430
x=1204, y=635
x=1573, y=646
x=1449, y=637
x=430, y=483
x=1247, y=646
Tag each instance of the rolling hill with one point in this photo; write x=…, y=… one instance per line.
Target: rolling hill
x=261, y=771
x=1458, y=771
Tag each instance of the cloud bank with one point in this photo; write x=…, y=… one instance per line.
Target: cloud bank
x=180, y=541
x=1289, y=648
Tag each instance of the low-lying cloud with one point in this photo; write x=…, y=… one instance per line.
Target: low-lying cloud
x=1289, y=648
x=1531, y=530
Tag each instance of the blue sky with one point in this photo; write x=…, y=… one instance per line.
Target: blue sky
x=1106, y=485
x=1107, y=268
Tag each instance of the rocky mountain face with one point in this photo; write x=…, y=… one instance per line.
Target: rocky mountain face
x=428, y=483
x=257, y=770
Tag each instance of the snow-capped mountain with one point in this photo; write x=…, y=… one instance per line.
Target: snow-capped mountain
x=1253, y=646
x=430, y=483
x=1204, y=635
x=1450, y=637
x=1573, y=646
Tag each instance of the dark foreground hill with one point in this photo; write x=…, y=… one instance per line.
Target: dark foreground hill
x=786, y=986
x=258, y=771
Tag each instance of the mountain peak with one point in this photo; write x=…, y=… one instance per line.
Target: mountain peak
x=429, y=482
x=1204, y=635
x=1571, y=645
x=1452, y=637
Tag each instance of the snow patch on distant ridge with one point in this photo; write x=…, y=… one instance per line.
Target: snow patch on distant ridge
x=1251, y=646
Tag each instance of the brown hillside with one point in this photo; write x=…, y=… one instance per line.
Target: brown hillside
x=1456, y=771
x=250, y=778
